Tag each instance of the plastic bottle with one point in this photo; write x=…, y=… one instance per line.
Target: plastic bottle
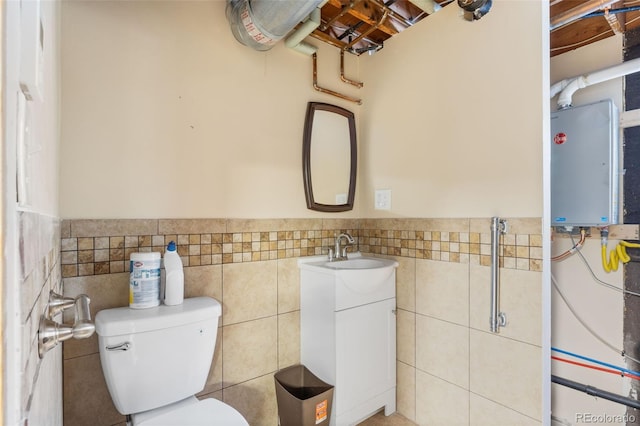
x=174, y=284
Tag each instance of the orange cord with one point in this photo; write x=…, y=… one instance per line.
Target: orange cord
x=606, y=370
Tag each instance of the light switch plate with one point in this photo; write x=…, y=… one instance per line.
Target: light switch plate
x=382, y=199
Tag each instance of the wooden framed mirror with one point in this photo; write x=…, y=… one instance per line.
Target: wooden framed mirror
x=329, y=158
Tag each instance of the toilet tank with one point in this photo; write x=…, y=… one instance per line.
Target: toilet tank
x=153, y=357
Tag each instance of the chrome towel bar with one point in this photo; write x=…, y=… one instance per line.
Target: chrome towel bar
x=498, y=319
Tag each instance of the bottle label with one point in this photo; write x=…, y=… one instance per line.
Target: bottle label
x=144, y=283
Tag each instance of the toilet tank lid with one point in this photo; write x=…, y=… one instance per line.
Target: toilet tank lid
x=119, y=321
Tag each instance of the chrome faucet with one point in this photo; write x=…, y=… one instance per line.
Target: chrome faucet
x=339, y=252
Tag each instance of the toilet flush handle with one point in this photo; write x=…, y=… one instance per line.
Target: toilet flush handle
x=119, y=347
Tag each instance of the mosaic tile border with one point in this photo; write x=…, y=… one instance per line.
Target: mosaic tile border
x=95, y=247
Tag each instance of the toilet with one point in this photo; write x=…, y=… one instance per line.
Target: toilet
x=155, y=360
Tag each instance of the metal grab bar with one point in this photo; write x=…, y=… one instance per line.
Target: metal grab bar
x=50, y=332
x=498, y=319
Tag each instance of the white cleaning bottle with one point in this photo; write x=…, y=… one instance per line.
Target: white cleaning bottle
x=174, y=284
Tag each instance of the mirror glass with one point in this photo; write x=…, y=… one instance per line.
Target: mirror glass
x=329, y=158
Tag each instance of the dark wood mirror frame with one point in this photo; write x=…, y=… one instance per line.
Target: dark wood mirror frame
x=312, y=107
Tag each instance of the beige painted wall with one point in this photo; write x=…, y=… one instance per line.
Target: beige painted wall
x=227, y=138
x=165, y=114
x=455, y=130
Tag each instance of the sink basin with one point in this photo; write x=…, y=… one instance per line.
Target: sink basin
x=357, y=281
x=359, y=263
x=355, y=261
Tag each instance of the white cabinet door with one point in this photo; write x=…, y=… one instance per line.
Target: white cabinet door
x=366, y=353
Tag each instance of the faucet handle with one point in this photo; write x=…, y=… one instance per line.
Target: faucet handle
x=331, y=254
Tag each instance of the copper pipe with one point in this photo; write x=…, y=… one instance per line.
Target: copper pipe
x=576, y=247
x=330, y=92
x=353, y=42
x=358, y=84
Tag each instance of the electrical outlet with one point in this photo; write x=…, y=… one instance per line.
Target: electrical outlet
x=382, y=199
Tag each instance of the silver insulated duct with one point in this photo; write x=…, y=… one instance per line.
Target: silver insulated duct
x=260, y=24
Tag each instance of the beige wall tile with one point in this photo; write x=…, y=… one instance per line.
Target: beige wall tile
x=442, y=290
x=255, y=400
x=406, y=337
x=250, y=291
x=506, y=371
x=259, y=225
x=442, y=349
x=484, y=412
x=480, y=295
x=288, y=339
x=261, y=299
x=203, y=281
x=406, y=283
x=447, y=225
x=217, y=395
x=86, y=397
x=191, y=226
x=440, y=403
x=406, y=390
x=105, y=292
x=214, y=379
x=340, y=223
x=520, y=300
x=249, y=350
x=102, y=227
x=480, y=225
x=288, y=285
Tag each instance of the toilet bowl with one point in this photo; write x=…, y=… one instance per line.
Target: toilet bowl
x=155, y=360
x=191, y=412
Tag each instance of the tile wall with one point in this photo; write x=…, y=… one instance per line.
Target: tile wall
x=250, y=266
x=39, y=273
x=451, y=370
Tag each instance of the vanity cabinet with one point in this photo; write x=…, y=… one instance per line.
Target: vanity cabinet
x=348, y=335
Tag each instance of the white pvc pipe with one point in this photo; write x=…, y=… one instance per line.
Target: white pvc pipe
x=294, y=41
x=568, y=87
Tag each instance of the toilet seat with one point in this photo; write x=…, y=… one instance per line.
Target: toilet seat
x=191, y=412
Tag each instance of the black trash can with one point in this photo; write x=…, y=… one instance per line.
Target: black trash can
x=303, y=399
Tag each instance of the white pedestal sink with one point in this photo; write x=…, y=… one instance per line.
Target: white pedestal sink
x=348, y=332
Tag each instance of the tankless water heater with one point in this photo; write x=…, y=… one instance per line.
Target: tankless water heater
x=584, y=165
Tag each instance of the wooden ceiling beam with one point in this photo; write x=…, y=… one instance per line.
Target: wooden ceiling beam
x=617, y=21
x=575, y=13
x=365, y=11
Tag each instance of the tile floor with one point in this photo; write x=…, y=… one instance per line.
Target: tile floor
x=379, y=419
